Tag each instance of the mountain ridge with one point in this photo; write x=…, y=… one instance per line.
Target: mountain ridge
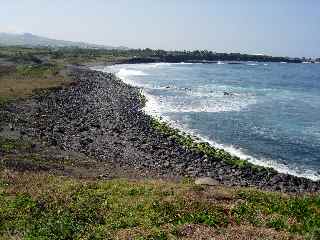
x=32, y=40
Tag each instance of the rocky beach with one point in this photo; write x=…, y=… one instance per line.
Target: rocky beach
x=159, y=120
x=98, y=121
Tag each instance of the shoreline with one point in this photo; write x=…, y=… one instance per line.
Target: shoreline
x=281, y=168
x=267, y=163
x=101, y=117
x=79, y=158
x=201, y=139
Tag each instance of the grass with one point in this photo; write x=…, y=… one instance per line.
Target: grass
x=40, y=206
x=64, y=56
x=23, y=80
x=4, y=100
x=293, y=214
x=37, y=70
x=10, y=145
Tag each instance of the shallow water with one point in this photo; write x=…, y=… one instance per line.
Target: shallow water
x=268, y=113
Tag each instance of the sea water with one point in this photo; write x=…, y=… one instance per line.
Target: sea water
x=267, y=113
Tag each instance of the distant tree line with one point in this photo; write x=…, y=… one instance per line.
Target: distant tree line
x=150, y=55
x=205, y=55
x=137, y=55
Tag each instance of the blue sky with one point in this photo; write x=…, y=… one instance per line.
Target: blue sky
x=277, y=27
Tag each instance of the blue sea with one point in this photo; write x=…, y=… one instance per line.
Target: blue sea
x=268, y=113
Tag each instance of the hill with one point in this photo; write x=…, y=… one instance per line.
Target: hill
x=31, y=40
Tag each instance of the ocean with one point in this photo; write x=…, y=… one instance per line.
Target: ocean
x=267, y=113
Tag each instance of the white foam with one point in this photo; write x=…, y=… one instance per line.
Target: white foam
x=130, y=72
x=146, y=65
x=281, y=168
x=179, y=104
x=124, y=73
x=155, y=65
x=157, y=107
x=160, y=64
x=174, y=104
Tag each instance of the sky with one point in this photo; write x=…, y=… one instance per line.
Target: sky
x=274, y=27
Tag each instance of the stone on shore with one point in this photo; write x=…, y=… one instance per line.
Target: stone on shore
x=206, y=181
x=100, y=117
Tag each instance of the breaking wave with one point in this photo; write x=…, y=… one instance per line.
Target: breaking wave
x=155, y=109
x=130, y=72
x=158, y=105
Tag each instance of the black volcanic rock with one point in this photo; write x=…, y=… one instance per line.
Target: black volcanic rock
x=101, y=117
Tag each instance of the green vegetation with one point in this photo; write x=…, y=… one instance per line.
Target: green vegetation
x=4, y=101
x=203, y=148
x=10, y=145
x=142, y=98
x=47, y=207
x=22, y=80
x=294, y=214
x=37, y=70
x=78, y=55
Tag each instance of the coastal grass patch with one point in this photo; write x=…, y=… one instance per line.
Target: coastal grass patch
x=295, y=214
x=8, y=145
x=42, y=206
x=41, y=70
x=96, y=210
x=4, y=101
x=142, y=98
x=22, y=80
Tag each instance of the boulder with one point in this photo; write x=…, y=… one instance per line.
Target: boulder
x=206, y=181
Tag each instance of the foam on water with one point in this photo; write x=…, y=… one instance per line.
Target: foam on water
x=129, y=72
x=148, y=65
x=154, y=109
x=282, y=168
x=176, y=104
x=124, y=74
x=158, y=106
x=184, y=100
